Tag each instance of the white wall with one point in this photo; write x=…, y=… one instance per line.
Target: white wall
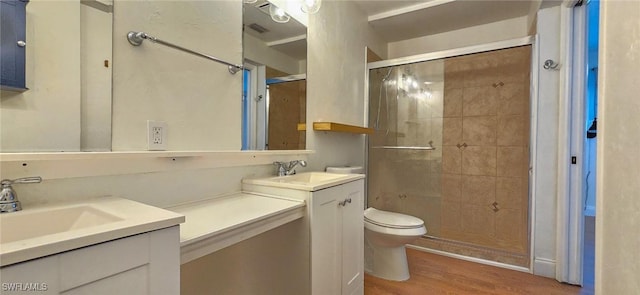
x=335, y=82
x=46, y=118
x=161, y=189
x=481, y=34
x=618, y=197
x=199, y=99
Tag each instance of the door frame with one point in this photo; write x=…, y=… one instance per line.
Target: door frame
x=570, y=213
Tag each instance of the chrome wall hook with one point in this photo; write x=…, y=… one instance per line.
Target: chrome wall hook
x=549, y=64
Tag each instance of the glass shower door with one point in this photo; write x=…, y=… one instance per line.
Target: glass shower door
x=451, y=146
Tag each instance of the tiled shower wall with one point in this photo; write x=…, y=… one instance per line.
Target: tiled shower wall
x=472, y=191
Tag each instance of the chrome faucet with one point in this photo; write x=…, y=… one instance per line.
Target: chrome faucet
x=287, y=168
x=9, y=198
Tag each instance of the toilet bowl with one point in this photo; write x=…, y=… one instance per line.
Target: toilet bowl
x=386, y=234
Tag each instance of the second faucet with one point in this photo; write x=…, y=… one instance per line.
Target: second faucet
x=287, y=168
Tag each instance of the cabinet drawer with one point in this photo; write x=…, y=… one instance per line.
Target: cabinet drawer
x=89, y=264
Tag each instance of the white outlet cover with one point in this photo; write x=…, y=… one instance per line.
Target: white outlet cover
x=156, y=141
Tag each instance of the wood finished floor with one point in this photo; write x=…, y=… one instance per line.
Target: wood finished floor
x=435, y=274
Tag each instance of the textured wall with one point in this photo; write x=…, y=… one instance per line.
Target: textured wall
x=199, y=99
x=618, y=198
x=335, y=82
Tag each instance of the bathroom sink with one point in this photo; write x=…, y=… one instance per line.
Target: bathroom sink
x=307, y=181
x=37, y=223
x=49, y=229
x=309, y=177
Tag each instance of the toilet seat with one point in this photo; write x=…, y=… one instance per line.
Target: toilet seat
x=391, y=219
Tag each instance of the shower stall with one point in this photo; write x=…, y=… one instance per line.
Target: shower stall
x=451, y=146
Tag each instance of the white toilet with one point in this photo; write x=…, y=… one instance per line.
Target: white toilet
x=386, y=234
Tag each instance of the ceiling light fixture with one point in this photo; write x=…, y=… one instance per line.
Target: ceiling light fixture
x=249, y=1
x=311, y=6
x=277, y=14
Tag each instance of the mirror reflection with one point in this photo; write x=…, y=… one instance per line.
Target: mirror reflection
x=68, y=64
x=274, y=87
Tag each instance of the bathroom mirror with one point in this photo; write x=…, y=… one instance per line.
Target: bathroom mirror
x=274, y=82
x=67, y=106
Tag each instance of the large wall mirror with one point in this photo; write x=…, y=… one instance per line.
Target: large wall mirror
x=274, y=87
x=90, y=90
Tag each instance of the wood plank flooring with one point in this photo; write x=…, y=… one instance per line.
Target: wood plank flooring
x=435, y=274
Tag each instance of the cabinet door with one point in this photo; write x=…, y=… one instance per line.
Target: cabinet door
x=147, y=263
x=326, y=242
x=353, y=239
x=12, y=56
x=39, y=276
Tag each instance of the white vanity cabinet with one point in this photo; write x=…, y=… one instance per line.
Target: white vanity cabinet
x=337, y=241
x=335, y=208
x=147, y=263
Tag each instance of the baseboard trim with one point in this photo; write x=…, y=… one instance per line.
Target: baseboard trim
x=472, y=259
x=544, y=267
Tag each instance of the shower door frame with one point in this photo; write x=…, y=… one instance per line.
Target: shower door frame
x=533, y=103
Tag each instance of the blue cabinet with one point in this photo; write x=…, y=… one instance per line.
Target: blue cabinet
x=12, y=44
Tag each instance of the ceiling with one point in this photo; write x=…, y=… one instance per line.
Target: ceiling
x=288, y=38
x=396, y=20
x=400, y=20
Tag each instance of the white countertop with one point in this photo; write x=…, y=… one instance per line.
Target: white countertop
x=220, y=222
x=306, y=181
x=129, y=218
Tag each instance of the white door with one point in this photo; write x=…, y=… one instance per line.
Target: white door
x=325, y=242
x=352, y=240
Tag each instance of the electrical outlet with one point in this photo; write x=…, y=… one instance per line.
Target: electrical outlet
x=156, y=135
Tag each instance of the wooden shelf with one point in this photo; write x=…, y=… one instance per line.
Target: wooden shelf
x=337, y=127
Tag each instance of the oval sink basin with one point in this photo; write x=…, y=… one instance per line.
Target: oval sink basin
x=51, y=222
x=307, y=181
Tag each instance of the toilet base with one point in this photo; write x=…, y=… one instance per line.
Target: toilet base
x=388, y=263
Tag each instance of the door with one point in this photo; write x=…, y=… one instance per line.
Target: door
x=325, y=241
x=352, y=238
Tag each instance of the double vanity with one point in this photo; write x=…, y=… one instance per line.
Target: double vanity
x=113, y=245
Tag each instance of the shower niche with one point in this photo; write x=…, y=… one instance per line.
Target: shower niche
x=451, y=146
